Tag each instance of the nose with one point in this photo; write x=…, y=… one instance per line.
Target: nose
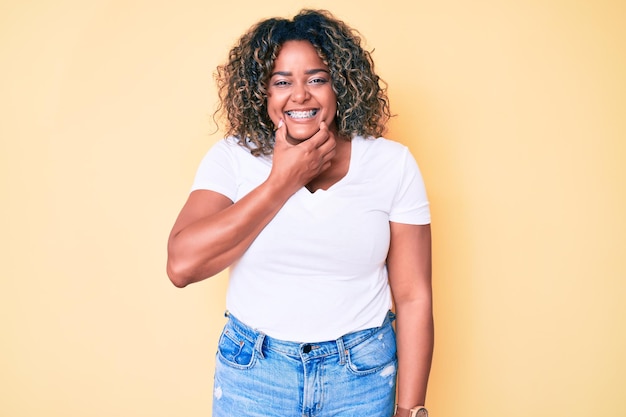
x=300, y=93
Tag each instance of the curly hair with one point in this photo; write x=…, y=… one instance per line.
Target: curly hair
x=362, y=102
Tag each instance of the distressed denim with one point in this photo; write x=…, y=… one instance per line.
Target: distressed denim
x=259, y=376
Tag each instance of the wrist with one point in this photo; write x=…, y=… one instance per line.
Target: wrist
x=402, y=412
x=278, y=189
x=417, y=411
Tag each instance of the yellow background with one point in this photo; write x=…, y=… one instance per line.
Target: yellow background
x=515, y=111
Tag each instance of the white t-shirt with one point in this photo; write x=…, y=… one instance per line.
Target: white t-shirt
x=317, y=270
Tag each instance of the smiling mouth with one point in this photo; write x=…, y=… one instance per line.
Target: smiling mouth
x=301, y=114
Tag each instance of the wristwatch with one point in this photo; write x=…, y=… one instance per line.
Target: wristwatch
x=419, y=411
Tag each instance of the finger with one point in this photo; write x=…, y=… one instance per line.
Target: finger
x=328, y=153
x=280, y=132
x=329, y=143
x=320, y=137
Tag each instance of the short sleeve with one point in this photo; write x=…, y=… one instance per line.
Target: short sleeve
x=218, y=170
x=410, y=203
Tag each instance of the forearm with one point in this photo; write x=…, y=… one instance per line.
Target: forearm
x=211, y=233
x=210, y=244
x=415, y=340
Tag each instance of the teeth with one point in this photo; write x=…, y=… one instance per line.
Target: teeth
x=301, y=114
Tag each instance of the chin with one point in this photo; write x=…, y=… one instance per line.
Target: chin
x=301, y=135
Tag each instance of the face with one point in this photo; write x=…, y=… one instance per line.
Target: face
x=300, y=91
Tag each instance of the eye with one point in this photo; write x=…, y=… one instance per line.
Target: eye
x=280, y=83
x=318, y=81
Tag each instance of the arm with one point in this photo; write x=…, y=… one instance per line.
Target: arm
x=211, y=232
x=409, y=265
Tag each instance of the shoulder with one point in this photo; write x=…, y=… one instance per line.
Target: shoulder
x=382, y=149
x=228, y=147
x=380, y=143
x=229, y=144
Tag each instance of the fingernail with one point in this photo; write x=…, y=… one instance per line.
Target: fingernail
x=280, y=123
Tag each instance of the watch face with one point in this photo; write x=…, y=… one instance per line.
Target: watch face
x=421, y=412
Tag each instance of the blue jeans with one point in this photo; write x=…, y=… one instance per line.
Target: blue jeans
x=259, y=376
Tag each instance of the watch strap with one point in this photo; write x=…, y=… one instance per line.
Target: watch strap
x=417, y=411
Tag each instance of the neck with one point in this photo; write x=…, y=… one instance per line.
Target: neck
x=339, y=166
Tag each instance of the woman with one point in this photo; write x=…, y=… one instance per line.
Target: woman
x=324, y=225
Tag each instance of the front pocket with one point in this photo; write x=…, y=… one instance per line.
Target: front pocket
x=374, y=353
x=235, y=350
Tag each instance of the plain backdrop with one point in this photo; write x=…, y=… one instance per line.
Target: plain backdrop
x=515, y=111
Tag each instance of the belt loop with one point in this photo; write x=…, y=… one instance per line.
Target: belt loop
x=258, y=345
x=342, y=351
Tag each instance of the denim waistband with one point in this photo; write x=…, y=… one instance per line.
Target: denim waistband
x=262, y=342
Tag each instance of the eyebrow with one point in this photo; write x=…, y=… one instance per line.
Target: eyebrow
x=307, y=72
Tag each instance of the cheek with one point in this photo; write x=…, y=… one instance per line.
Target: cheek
x=331, y=103
x=273, y=110
x=332, y=111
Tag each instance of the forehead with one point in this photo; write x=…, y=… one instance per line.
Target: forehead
x=298, y=54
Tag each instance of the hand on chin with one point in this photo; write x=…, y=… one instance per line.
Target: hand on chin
x=296, y=136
